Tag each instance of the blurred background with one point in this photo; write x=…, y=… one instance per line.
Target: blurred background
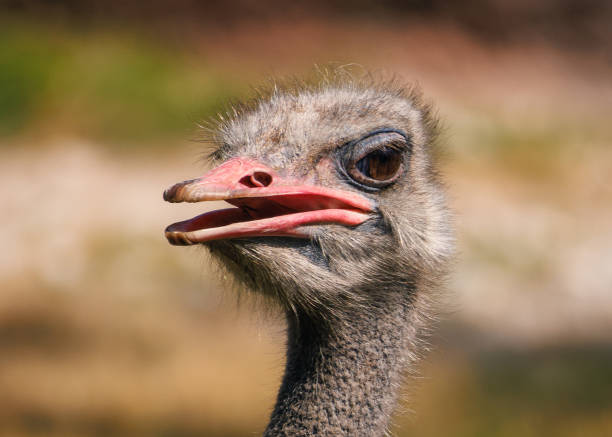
x=105, y=329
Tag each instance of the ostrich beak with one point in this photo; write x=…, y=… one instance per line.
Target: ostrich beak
x=265, y=204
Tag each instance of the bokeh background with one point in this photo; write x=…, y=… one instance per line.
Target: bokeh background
x=105, y=329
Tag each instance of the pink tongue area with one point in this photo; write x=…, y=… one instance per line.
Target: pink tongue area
x=257, y=208
x=247, y=210
x=259, y=216
x=260, y=207
x=264, y=207
x=209, y=220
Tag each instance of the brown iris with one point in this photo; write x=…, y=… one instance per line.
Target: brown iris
x=378, y=159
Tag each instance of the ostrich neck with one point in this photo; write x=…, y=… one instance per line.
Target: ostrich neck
x=343, y=384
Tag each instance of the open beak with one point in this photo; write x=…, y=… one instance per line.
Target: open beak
x=265, y=204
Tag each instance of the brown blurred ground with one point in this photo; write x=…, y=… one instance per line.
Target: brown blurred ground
x=107, y=330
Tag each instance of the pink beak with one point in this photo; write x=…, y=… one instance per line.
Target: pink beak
x=266, y=204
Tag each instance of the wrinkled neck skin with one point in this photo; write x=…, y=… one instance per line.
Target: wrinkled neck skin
x=345, y=384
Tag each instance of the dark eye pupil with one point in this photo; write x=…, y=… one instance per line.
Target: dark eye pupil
x=382, y=164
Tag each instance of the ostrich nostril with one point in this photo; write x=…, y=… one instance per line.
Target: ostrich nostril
x=258, y=179
x=261, y=178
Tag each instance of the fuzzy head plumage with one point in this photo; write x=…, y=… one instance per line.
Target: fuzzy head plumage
x=315, y=132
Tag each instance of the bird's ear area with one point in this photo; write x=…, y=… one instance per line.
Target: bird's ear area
x=421, y=229
x=376, y=160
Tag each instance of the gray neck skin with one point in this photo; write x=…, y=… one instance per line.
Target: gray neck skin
x=346, y=384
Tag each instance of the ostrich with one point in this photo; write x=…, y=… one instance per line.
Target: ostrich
x=338, y=217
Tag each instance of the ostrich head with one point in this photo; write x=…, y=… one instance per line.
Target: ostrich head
x=337, y=216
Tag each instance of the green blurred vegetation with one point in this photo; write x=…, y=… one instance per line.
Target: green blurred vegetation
x=102, y=86
x=130, y=87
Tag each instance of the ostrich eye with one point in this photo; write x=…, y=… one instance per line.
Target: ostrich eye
x=382, y=164
x=377, y=160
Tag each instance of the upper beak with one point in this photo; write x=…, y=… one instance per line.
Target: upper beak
x=267, y=204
